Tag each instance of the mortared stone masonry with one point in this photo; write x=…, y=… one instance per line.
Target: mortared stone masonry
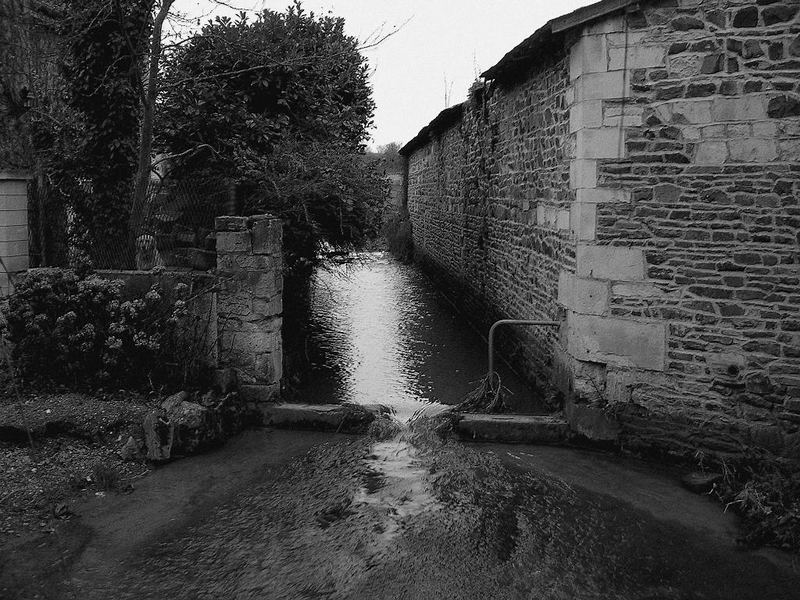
x=635, y=174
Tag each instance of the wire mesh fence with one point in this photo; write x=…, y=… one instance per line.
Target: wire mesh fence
x=177, y=225
x=174, y=229
x=48, y=244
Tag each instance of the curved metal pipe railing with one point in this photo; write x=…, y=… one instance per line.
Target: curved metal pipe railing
x=512, y=322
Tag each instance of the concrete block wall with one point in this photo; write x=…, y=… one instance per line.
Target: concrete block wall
x=250, y=303
x=13, y=227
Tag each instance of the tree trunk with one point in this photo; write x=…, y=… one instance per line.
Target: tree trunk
x=146, y=137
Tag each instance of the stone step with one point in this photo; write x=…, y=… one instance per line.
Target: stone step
x=523, y=429
x=342, y=418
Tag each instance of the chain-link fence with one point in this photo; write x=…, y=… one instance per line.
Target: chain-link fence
x=175, y=228
x=177, y=225
x=48, y=244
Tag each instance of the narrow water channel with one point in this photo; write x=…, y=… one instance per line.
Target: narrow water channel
x=382, y=333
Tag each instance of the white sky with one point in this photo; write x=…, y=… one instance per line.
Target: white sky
x=450, y=41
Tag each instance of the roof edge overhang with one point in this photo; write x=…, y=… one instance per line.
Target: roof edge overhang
x=516, y=60
x=542, y=37
x=443, y=121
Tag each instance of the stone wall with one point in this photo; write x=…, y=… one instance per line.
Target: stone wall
x=704, y=220
x=250, y=303
x=488, y=200
x=235, y=312
x=643, y=186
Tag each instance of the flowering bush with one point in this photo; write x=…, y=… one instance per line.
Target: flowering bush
x=76, y=329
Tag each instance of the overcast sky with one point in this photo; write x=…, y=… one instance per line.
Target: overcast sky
x=440, y=47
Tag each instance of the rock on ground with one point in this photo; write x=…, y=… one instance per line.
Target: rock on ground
x=180, y=426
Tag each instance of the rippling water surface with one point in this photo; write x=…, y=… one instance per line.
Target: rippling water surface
x=381, y=333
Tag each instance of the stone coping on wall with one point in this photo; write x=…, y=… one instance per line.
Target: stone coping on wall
x=443, y=121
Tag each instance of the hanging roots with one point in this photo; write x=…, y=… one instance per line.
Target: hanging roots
x=488, y=397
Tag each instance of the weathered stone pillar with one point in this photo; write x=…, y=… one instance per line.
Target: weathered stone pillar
x=250, y=303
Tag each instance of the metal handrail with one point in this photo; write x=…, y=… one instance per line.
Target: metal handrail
x=512, y=322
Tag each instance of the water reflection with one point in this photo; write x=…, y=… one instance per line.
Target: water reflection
x=381, y=333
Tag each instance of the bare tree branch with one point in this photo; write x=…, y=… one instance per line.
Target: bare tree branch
x=382, y=38
x=148, y=110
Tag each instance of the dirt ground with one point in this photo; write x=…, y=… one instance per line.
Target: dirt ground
x=55, y=448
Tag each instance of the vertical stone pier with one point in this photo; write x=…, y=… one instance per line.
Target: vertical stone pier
x=599, y=347
x=250, y=303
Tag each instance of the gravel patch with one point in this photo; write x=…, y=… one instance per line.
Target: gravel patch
x=75, y=451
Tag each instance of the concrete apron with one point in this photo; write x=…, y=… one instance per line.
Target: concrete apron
x=340, y=418
x=179, y=494
x=352, y=418
x=646, y=486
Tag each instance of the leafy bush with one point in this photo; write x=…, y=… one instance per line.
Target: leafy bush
x=85, y=122
x=280, y=105
x=76, y=329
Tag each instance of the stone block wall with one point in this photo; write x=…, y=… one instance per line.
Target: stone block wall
x=644, y=187
x=488, y=199
x=250, y=303
x=687, y=148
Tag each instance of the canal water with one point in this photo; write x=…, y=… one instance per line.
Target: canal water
x=381, y=333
